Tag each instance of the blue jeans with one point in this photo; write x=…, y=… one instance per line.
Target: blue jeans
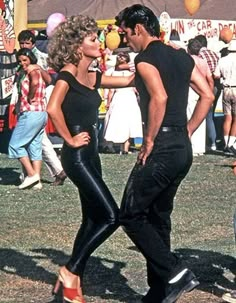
x=26, y=139
x=210, y=127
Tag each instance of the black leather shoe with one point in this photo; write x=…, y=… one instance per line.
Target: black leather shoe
x=153, y=296
x=108, y=150
x=185, y=284
x=227, y=151
x=232, y=150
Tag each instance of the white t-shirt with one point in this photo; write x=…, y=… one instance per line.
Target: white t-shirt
x=226, y=68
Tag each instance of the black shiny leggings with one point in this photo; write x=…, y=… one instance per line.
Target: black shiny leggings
x=99, y=210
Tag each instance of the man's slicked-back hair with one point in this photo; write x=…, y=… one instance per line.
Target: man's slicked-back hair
x=139, y=14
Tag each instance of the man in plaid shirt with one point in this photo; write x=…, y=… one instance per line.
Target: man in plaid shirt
x=212, y=59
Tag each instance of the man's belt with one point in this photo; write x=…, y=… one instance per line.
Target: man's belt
x=173, y=128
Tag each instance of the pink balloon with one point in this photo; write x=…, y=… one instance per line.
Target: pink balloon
x=53, y=21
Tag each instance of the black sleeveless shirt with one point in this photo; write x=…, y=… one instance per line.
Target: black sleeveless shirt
x=175, y=68
x=80, y=106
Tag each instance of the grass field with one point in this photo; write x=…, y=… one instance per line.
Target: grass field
x=38, y=229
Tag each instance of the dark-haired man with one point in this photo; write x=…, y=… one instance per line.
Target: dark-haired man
x=163, y=76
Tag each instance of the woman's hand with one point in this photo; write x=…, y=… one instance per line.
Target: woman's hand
x=32, y=67
x=80, y=140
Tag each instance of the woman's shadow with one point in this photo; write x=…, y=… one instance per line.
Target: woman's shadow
x=211, y=268
x=102, y=277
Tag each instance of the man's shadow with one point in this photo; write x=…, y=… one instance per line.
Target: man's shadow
x=210, y=268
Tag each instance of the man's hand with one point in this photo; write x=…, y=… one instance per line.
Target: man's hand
x=145, y=151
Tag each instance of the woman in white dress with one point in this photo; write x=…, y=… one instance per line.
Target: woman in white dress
x=123, y=119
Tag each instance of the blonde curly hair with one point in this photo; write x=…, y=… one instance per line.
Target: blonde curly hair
x=68, y=36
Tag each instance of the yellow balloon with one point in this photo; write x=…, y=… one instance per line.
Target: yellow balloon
x=112, y=40
x=192, y=6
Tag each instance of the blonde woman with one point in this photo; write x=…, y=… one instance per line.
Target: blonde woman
x=73, y=108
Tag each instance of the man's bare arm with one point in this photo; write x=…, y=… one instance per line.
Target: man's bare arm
x=156, y=108
x=206, y=98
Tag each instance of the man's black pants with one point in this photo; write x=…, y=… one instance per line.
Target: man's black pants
x=147, y=203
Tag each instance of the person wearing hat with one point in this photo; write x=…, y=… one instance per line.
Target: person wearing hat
x=226, y=70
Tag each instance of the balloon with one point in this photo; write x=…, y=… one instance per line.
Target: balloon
x=112, y=40
x=226, y=34
x=192, y=6
x=53, y=21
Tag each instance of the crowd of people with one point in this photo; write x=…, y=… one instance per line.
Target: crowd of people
x=218, y=68
x=214, y=134
x=167, y=112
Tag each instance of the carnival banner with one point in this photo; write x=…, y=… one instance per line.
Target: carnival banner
x=189, y=28
x=8, y=62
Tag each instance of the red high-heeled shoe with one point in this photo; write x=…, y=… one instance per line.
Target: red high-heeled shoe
x=71, y=295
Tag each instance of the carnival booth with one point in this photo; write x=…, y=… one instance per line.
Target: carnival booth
x=13, y=18
x=8, y=63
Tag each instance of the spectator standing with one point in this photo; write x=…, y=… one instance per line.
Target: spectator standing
x=226, y=70
x=26, y=140
x=27, y=40
x=198, y=139
x=123, y=119
x=212, y=59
